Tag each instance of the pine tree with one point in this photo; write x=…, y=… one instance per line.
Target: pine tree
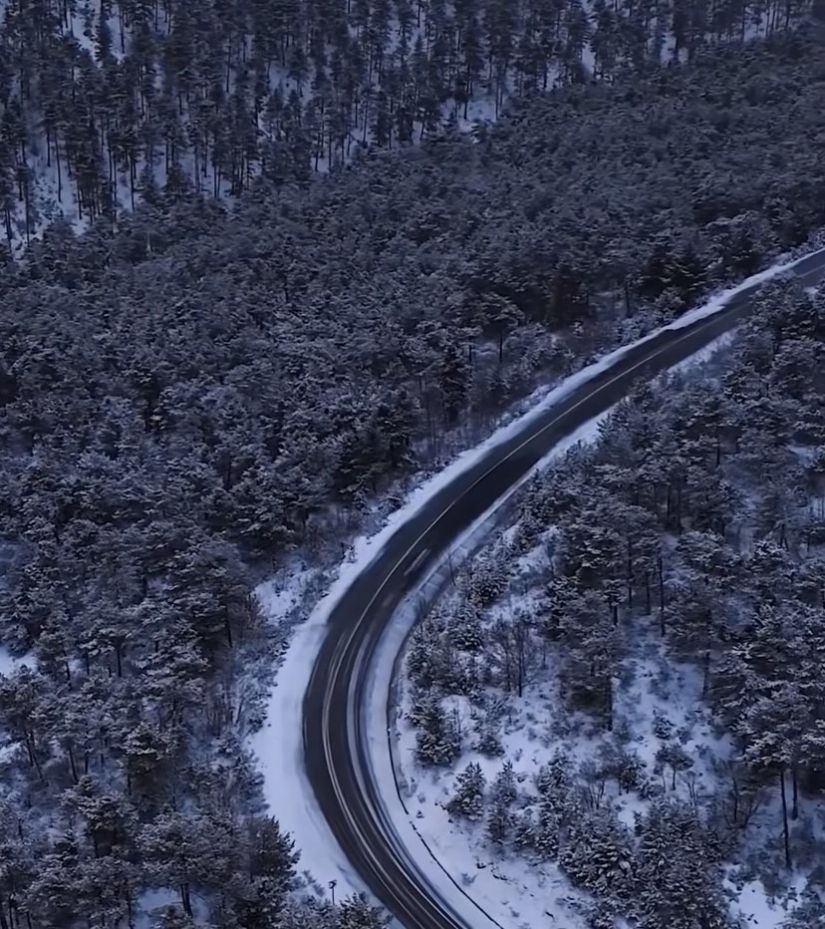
x=453, y=380
x=356, y=913
x=466, y=631
x=674, y=869
x=438, y=741
x=468, y=799
x=809, y=913
x=504, y=786
x=500, y=822
x=597, y=853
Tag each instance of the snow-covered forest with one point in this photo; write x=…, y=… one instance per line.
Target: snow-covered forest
x=205, y=390
x=104, y=102
x=627, y=687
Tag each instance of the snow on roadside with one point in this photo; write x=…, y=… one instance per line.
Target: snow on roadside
x=544, y=400
x=718, y=301
x=278, y=745
x=704, y=354
x=501, y=893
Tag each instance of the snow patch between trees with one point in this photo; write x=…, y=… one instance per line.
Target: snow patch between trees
x=10, y=663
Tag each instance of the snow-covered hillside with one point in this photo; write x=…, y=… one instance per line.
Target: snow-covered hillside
x=108, y=103
x=569, y=737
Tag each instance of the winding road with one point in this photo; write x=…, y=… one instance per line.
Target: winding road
x=336, y=755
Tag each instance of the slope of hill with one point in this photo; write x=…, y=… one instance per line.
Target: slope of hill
x=626, y=690
x=103, y=102
x=200, y=393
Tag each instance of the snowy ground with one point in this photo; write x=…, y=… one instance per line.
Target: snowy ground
x=525, y=894
x=485, y=890
x=755, y=907
x=278, y=745
x=654, y=690
x=10, y=663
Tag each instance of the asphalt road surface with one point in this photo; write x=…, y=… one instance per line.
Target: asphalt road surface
x=335, y=754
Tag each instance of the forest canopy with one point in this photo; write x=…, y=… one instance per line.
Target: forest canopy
x=103, y=102
x=192, y=391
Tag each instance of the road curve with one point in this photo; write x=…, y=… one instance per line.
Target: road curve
x=335, y=754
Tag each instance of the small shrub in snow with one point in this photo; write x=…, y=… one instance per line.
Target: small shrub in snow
x=622, y=734
x=489, y=741
x=649, y=788
x=357, y=913
x=621, y=765
x=601, y=915
x=629, y=774
x=672, y=757
x=171, y=917
x=662, y=727
x=810, y=914
x=593, y=784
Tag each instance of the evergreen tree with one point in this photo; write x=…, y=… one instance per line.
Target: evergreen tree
x=468, y=799
x=438, y=741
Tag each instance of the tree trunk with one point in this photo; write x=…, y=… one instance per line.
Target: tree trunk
x=785, y=834
x=185, y=899
x=660, y=567
x=705, y=672
x=679, y=508
x=72, y=764
x=629, y=575
x=609, y=697
x=795, y=788
x=735, y=795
